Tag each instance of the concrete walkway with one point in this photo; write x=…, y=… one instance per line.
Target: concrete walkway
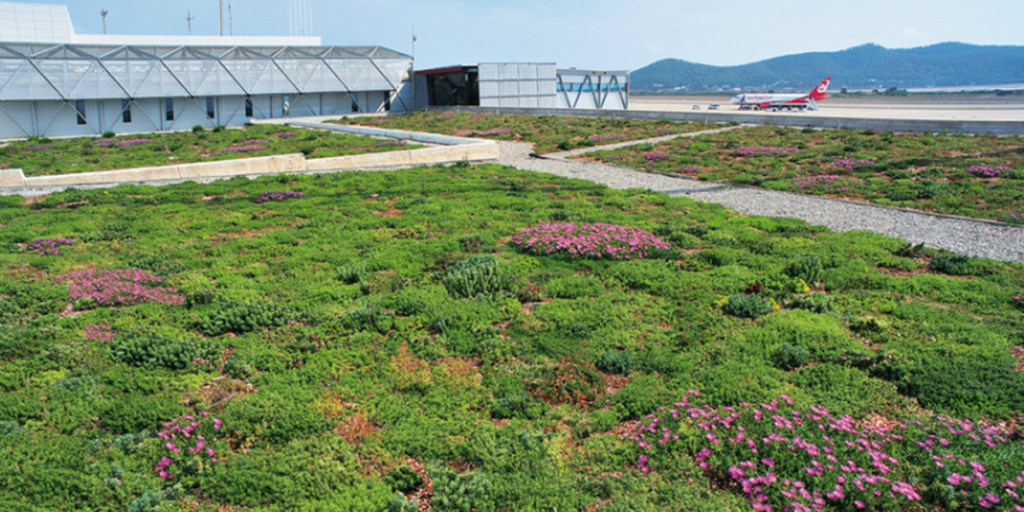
x=958, y=234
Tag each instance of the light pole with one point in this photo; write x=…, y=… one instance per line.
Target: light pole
x=104, y=13
x=222, y=18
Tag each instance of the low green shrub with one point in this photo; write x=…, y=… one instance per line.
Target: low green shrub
x=403, y=479
x=967, y=388
x=952, y=264
x=788, y=357
x=150, y=351
x=643, y=395
x=807, y=267
x=617, y=362
x=352, y=274
x=478, y=275
x=458, y=492
x=240, y=318
x=517, y=406
x=748, y=306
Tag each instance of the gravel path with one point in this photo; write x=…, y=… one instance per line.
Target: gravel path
x=965, y=236
x=654, y=140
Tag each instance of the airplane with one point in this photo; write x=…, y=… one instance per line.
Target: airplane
x=774, y=102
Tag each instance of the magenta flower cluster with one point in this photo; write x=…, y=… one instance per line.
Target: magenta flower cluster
x=119, y=287
x=764, y=151
x=587, y=240
x=787, y=458
x=277, y=196
x=989, y=171
x=655, y=156
x=1019, y=298
x=49, y=245
x=185, y=430
x=100, y=332
x=106, y=143
x=850, y=164
x=1013, y=218
x=820, y=184
x=483, y=133
x=688, y=169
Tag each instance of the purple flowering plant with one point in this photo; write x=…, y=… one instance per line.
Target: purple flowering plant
x=119, y=287
x=851, y=164
x=277, y=196
x=989, y=171
x=49, y=245
x=100, y=332
x=821, y=184
x=186, y=443
x=749, y=151
x=585, y=240
x=786, y=457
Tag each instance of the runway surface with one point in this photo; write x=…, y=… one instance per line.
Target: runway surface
x=910, y=108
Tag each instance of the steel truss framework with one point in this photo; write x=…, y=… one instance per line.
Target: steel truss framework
x=596, y=89
x=68, y=73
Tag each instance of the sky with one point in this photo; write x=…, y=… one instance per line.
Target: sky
x=586, y=34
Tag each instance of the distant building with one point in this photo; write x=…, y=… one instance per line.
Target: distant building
x=522, y=85
x=55, y=82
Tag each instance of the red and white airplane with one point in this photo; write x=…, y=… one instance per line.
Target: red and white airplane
x=775, y=102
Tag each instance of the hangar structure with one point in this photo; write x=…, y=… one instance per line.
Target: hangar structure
x=54, y=82
x=523, y=85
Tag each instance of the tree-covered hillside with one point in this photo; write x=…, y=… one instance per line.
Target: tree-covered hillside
x=867, y=66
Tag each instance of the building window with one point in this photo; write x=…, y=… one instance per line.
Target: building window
x=211, y=112
x=80, y=110
x=126, y=111
x=248, y=107
x=355, y=106
x=286, y=106
x=387, y=102
x=169, y=109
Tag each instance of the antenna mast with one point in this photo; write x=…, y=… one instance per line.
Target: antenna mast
x=222, y=18
x=231, y=21
x=189, y=19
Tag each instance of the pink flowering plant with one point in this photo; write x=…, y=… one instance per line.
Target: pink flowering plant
x=989, y=171
x=1019, y=298
x=749, y=151
x=585, y=240
x=49, y=246
x=850, y=164
x=786, y=457
x=100, y=332
x=821, y=184
x=119, y=287
x=188, y=444
x=278, y=196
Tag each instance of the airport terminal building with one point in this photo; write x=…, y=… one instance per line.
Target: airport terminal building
x=54, y=82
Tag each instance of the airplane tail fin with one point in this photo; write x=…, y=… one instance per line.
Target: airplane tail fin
x=819, y=92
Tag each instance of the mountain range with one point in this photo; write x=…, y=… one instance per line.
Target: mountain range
x=863, y=67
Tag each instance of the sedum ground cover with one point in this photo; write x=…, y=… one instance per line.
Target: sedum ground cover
x=463, y=336
x=972, y=176
x=44, y=157
x=546, y=133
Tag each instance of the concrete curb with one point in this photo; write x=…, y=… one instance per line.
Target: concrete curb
x=14, y=182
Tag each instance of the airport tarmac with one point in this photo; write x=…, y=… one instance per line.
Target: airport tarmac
x=910, y=108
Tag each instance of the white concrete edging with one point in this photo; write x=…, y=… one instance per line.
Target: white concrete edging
x=475, y=150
